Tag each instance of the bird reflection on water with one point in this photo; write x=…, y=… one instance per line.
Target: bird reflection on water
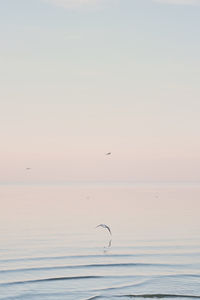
x=107, y=248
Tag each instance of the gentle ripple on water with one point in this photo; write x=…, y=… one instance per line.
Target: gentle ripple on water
x=143, y=271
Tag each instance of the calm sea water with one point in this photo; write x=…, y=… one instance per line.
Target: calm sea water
x=50, y=248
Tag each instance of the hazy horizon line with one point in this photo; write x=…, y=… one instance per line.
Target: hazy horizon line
x=102, y=182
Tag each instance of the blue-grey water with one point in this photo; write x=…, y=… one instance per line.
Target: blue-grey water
x=50, y=248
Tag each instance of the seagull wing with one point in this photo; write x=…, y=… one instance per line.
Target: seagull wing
x=105, y=226
x=100, y=225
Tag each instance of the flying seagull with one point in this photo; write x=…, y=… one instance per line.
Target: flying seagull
x=105, y=226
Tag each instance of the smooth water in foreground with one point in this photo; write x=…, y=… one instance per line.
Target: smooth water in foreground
x=50, y=248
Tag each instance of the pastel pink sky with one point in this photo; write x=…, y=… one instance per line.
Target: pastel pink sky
x=120, y=78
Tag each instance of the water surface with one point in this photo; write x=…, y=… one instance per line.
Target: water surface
x=50, y=248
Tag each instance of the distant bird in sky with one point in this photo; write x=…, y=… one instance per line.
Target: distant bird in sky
x=105, y=226
x=108, y=153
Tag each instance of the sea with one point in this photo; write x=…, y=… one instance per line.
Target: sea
x=51, y=249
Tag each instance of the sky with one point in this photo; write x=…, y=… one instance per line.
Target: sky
x=80, y=78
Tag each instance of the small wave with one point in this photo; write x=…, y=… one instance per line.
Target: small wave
x=30, y=295
x=180, y=276
x=124, y=286
x=94, y=297
x=71, y=278
x=41, y=258
x=51, y=279
x=160, y=296
x=118, y=265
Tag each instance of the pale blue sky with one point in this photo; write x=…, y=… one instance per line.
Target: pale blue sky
x=81, y=78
